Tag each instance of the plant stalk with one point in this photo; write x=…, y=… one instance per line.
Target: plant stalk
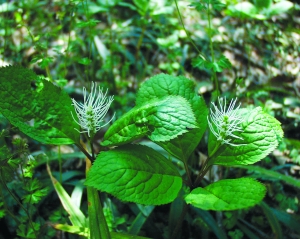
x=179, y=222
x=97, y=222
x=215, y=79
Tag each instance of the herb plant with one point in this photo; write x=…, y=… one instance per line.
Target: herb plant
x=169, y=113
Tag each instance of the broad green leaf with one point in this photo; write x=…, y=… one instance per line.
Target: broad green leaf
x=227, y=194
x=261, y=135
x=162, y=85
x=159, y=119
x=135, y=173
x=43, y=113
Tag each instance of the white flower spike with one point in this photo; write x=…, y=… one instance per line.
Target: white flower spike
x=224, y=123
x=93, y=110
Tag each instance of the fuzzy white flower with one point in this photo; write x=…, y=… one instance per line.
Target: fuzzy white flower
x=93, y=110
x=223, y=122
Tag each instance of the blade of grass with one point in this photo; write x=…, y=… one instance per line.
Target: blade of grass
x=211, y=222
x=270, y=174
x=75, y=214
x=140, y=219
x=274, y=223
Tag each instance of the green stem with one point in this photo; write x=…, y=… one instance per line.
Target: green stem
x=97, y=222
x=215, y=79
x=190, y=182
x=83, y=150
x=208, y=163
x=48, y=71
x=179, y=222
x=111, y=36
x=60, y=164
x=92, y=149
x=140, y=41
x=186, y=32
x=202, y=173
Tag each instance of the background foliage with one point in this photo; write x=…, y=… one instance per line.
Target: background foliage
x=248, y=50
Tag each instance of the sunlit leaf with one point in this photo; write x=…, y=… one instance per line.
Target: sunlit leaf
x=227, y=194
x=135, y=173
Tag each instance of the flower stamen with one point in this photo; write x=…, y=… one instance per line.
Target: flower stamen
x=92, y=111
x=223, y=123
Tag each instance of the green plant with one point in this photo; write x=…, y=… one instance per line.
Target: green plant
x=260, y=9
x=213, y=63
x=169, y=113
x=21, y=192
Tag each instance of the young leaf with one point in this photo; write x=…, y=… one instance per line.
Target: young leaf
x=261, y=135
x=227, y=194
x=199, y=62
x=35, y=192
x=221, y=64
x=135, y=173
x=162, y=85
x=28, y=232
x=159, y=119
x=43, y=113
